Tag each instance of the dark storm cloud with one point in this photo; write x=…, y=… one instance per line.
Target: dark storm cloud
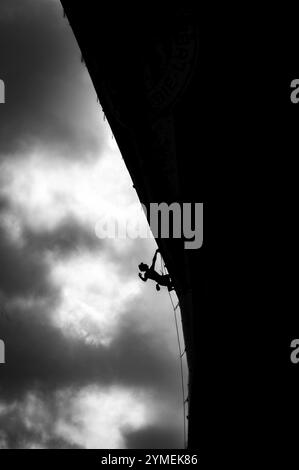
x=20, y=431
x=47, y=109
x=40, y=65
x=23, y=272
x=42, y=361
x=154, y=437
x=66, y=238
x=49, y=359
x=40, y=357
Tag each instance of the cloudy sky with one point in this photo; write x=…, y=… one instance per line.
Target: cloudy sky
x=91, y=351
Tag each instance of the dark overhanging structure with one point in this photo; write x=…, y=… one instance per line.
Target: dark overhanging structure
x=146, y=69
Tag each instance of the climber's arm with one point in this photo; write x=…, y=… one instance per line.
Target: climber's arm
x=143, y=278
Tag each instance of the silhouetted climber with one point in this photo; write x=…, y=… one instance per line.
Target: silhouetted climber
x=151, y=273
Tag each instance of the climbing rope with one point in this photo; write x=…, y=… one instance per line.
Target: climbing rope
x=185, y=400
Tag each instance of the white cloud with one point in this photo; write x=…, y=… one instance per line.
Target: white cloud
x=43, y=189
x=98, y=417
x=90, y=417
x=94, y=295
